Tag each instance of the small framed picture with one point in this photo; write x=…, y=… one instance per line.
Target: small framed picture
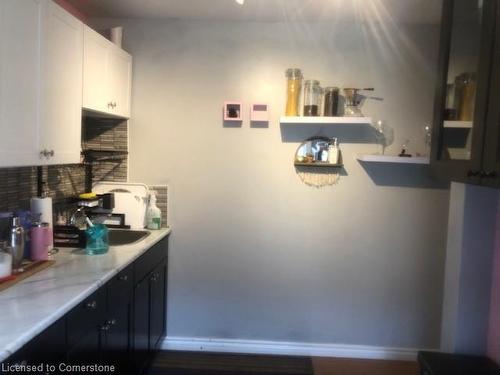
x=232, y=111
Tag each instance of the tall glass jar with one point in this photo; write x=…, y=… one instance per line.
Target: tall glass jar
x=331, y=101
x=465, y=96
x=312, y=98
x=294, y=87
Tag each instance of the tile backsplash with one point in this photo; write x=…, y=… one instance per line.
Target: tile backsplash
x=18, y=185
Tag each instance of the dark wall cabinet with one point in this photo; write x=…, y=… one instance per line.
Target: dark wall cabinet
x=121, y=324
x=466, y=131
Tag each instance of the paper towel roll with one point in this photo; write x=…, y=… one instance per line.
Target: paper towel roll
x=42, y=207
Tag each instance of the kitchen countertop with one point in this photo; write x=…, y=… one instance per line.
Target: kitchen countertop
x=32, y=305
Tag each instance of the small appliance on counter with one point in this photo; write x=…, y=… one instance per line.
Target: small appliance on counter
x=131, y=199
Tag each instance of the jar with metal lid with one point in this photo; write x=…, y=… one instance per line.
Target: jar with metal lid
x=294, y=87
x=465, y=96
x=331, y=101
x=312, y=98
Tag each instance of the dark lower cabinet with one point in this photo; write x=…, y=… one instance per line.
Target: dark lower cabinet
x=141, y=325
x=157, y=308
x=47, y=348
x=120, y=324
x=150, y=295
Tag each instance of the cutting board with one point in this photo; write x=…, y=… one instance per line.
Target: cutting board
x=131, y=199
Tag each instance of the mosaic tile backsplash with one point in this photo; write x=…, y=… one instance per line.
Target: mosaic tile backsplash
x=18, y=185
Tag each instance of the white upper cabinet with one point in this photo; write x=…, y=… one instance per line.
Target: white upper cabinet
x=61, y=89
x=107, y=76
x=20, y=27
x=41, y=74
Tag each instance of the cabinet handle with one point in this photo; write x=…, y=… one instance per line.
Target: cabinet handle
x=472, y=173
x=489, y=174
x=51, y=153
x=91, y=305
x=123, y=278
x=114, y=104
x=105, y=327
x=111, y=322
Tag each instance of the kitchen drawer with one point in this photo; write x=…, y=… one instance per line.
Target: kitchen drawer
x=121, y=287
x=88, y=316
x=149, y=260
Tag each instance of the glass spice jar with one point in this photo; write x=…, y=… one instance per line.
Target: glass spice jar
x=294, y=87
x=312, y=98
x=331, y=101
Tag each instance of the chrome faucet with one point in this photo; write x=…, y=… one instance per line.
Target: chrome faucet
x=79, y=218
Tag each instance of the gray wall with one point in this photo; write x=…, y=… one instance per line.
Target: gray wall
x=468, y=276
x=255, y=253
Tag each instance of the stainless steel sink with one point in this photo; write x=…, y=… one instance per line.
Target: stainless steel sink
x=119, y=237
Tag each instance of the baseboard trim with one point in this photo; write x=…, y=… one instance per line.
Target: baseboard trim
x=287, y=348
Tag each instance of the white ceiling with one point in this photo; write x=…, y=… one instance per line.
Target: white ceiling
x=412, y=11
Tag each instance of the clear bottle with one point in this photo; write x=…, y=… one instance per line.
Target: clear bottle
x=334, y=152
x=312, y=98
x=294, y=87
x=153, y=213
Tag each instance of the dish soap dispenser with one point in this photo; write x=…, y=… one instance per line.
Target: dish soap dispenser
x=153, y=213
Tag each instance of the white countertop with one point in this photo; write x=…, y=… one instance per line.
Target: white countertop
x=32, y=305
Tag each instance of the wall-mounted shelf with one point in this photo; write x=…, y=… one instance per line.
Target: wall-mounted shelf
x=318, y=164
x=104, y=155
x=457, y=124
x=393, y=159
x=324, y=121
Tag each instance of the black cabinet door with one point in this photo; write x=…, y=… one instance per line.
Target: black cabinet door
x=158, y=293
x=49, y=347
x=88, y=348
x=461, y=99
x=141, y=324
x=491, y=163
x=116, y=337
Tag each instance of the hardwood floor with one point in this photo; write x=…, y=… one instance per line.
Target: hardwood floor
x=202, y=363
x=344, y=366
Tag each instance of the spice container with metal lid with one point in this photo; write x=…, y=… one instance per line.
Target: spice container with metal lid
x=312, y=98
x=294, y=87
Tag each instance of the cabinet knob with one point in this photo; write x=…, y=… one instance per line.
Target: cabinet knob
x=51, y=153
x=92, y=305
x=123, y=278
x=111, y=322
x=114, y=104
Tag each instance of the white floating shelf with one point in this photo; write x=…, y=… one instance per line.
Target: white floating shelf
x=324, y=121
x=393, y=159
x=457, y=124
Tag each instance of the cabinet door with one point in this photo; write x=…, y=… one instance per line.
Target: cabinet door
x=141, y=324
x=462, y=92
x=20, y=27
x=96, y=95
x=491, y=163
x=116, y=349
x=120, y=81
x=158, y=293
x=48, y=347
x=62, y=85
x=118, y=326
